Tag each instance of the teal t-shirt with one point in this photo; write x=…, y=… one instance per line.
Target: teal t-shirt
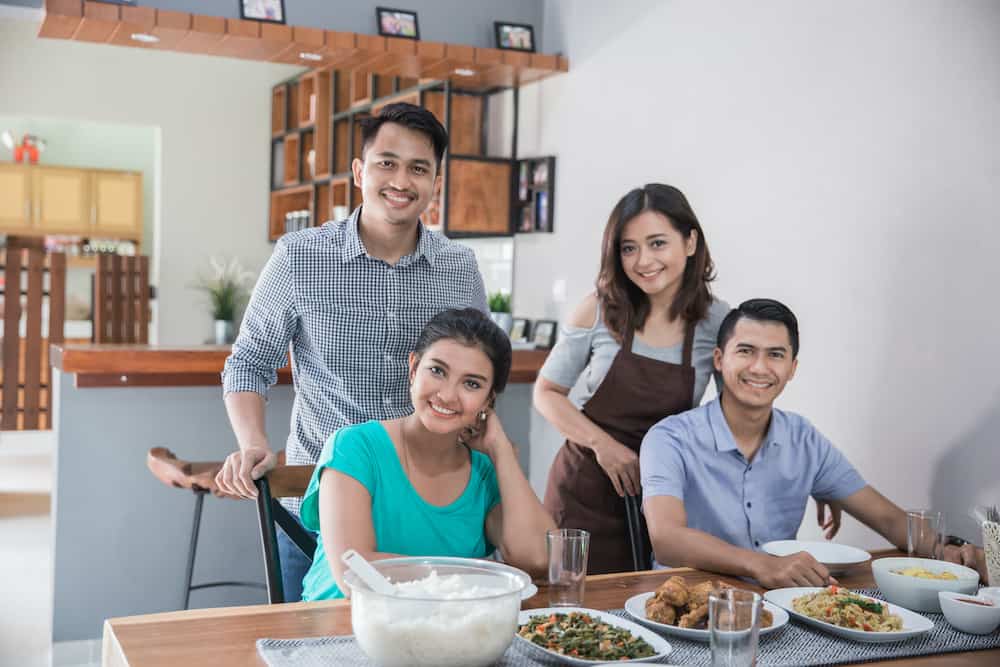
x=404, y=522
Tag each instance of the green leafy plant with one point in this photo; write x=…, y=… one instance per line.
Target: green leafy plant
x=499, y=302
x=227, y=286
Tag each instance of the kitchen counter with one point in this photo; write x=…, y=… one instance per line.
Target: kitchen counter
x=121, y=536
x=105, y=365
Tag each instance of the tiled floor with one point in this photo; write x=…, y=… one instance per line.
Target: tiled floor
x=26, y=558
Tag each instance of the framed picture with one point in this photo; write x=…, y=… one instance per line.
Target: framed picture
x=515, y=36
x=272, y=11
x=542, y=216
x=397, y=23
x=520, y=330
x=544, y=334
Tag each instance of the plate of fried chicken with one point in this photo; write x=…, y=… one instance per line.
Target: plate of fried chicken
x=681, y=609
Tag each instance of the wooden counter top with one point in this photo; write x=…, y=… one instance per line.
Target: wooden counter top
x=97, y=365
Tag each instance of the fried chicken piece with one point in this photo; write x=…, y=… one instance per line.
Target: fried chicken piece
x=698, y=595
x=673, y=591
x=660, y=611
x=697, y=617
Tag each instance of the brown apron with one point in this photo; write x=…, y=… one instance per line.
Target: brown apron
x=636, y=393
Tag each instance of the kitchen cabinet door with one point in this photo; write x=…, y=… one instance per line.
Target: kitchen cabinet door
x=15, y=198
x=117, y=204
x=62, y=200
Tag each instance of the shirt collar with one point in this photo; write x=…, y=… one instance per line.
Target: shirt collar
x=427, y=244
x=777, y=431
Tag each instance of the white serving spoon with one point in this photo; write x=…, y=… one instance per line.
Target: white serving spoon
x=368, y=574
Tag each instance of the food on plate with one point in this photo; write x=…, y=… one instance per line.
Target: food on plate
x=676, y=603
x=840, y=606
x=921, y=573
x=583, y=636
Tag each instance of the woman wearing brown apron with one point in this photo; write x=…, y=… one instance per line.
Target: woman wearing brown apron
x=637, y=350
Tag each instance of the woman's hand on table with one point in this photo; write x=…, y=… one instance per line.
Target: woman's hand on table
x=242, y=467
x=621, y=465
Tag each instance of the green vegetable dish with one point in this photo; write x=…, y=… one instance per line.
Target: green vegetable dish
x=583, y=636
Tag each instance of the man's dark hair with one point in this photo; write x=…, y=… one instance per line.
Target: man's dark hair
x=410, y=116
x=469, y=326
x=761, y=310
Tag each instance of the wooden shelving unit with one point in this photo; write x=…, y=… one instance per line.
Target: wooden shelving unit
x=316, y=135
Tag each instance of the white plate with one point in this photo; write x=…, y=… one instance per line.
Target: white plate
x=913, y=623
x=659, y=644
x=836, y=557
x=636, y=608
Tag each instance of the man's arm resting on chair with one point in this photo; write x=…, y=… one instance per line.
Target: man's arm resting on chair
x=678, y=545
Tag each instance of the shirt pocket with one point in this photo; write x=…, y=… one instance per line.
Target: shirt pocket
x=347, y=338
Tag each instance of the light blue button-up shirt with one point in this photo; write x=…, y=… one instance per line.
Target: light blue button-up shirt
x=693, y=456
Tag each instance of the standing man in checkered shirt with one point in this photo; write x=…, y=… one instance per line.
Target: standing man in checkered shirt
x=350, y=297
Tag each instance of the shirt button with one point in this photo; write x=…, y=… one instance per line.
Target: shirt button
x=388, y=358
x=749, y=504
x=756, y=543
x=387, y=400
x=390, y=313
x=749, y=467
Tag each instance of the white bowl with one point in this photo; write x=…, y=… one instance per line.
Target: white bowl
x=968, y=617
x=921, y=594
x=836, y=557
x=431, y=631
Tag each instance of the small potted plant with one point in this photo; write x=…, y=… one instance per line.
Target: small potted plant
x=228, y=288
x=500, y=310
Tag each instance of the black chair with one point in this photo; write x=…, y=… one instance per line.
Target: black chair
x=199, y=478
x=282, y=482
x=641, y=548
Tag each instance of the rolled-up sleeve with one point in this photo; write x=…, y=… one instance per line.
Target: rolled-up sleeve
x=661, y=464
x=269, y=324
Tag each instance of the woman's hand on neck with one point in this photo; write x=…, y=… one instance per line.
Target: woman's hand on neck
x=385, y=240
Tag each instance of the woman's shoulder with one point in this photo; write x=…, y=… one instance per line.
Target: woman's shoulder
x=370, y=435
x=586, y=314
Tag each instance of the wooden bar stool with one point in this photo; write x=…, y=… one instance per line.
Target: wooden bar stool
x=199, y=477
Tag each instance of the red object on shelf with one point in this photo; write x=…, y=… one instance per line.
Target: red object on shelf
x=31, y=146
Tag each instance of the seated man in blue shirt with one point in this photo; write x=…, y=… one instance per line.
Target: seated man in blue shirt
x=722, y=479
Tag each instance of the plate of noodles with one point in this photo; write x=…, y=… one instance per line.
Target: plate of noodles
x=851, y=615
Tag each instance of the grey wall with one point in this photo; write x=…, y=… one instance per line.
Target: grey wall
x=121, y=536
x=455, y=21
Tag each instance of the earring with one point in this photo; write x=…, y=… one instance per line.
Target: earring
x=482, y=415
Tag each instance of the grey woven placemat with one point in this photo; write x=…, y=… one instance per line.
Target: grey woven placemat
x=794, y=646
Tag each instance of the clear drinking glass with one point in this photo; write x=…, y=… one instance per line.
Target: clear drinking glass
x=924, y=533
x=733, y=627
x=568, y=549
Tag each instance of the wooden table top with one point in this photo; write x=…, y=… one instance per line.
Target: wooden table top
x=225, y=637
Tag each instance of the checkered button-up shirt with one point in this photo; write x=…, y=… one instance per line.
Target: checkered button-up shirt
x=351, y=320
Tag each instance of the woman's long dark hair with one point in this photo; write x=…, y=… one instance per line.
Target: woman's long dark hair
x=624, y=305
x=470, y=327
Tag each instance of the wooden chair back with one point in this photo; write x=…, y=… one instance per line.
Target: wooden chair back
x=32, y=277
x=121, y=299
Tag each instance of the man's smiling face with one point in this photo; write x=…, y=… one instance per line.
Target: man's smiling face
x=756, y=363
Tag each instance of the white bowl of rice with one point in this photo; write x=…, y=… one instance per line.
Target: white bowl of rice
x=914, y=583
x=447, y=612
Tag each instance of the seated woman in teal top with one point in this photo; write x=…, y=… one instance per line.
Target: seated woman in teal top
x=443, y=481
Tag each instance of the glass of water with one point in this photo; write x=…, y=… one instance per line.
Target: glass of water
x=733, y=627
x=568, y=549
x=924, y=534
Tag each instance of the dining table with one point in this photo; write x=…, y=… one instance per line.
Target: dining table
x=226, y=637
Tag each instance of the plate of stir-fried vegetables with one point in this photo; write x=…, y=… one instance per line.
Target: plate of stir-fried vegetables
x=580, y=636
x=851, y=615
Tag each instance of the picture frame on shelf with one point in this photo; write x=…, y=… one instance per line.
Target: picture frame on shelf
x=514, y=36
x=543, y=333
x=540, y=174
x=520, y=330
x=397, y=23
x=542, y=213
x=268, y=11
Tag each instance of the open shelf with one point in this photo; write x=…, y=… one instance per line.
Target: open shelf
x=279, y=108
x=291, y=171
x=307, y=100
x=284, y=201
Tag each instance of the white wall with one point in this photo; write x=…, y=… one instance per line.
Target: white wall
x=843, y=157
x=214, y=120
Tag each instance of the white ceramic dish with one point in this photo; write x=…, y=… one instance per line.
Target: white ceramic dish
x=659, y=644
x=913, y=623
x=967, y=617
x=636, y=608
x=836, y=557
x=921, y=594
